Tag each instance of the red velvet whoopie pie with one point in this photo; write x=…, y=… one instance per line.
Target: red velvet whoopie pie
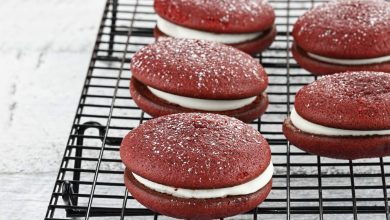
x=184, y=75
x=245, y=24
x=344, y=116
x=197, y=165
x=346, y=35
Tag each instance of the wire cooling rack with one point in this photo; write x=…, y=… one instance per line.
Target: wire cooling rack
x=90, y=185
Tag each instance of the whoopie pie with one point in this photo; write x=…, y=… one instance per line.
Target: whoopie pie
x=341, y=36
x=245, y=24
x=197, y=165
x=184, y=75
x=345, y=116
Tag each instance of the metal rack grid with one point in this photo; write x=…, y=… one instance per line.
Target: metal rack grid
x=90, y=180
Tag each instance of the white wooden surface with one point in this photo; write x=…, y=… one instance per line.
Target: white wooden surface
x=25, y=196
x=45, y=47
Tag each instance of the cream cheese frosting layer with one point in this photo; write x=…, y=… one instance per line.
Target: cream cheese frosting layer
x=202, y=104
x=242, y=189
x=312, y=128
x=178, y=31
x=350, y=61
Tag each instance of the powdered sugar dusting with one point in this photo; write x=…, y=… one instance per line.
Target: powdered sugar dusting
x=346, y=24
x=206, y=67
x=206, y=139
x=228, y=9
x=348, y=100
x=224, y=12
x=203, y=147
x=353, y=86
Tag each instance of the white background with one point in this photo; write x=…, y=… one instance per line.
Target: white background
x=45, y=47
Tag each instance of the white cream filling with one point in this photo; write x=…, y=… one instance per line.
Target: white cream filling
x=350, y=61
x=312, y=128
x=202, y=104
x=243, y=189
x=177, y=31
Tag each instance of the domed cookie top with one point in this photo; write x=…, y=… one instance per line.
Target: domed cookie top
x=346, y=29
x=233, y=16
x=196, y=151
x=199, y=69
x=352, y=100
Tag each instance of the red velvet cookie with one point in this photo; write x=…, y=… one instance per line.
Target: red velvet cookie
x=182, y=75
x=344, y=116
x=349, y=35
x=197, y=165
x=245, y=24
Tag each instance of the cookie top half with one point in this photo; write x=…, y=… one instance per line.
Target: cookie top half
x=196, y=151
x=199, y=69
x=222, y=16
x=351, y=100
x=346, y=29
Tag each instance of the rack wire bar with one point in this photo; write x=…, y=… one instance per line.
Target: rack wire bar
x=89, y=184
